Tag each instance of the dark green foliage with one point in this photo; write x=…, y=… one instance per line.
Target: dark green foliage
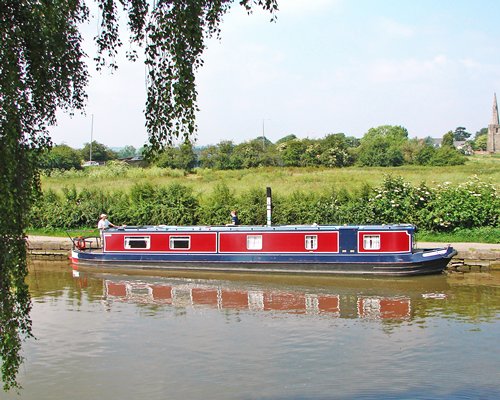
x=252, y=207
x=444, y=208
x=468, y=205
x=448, y=139
x=286, y=138
x=292, y=152
x=182, y=157
x=298, y=208
x=252, y=154
x=215, y=208
x=397, y=201
x=427, y=154
x=334, y=151
x=331, y=151
x=219, y=157
x=382, y=146
x=100, y=152
x=480, y=143
x=447, y=156
x=42, y=70
x=176, y=32
x=126, y=152
x=461, y=134
x=171, y=205
x=75, y=209
x=60, y=157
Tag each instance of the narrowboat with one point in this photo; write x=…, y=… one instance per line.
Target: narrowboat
x=377, y=250
x=312, y=249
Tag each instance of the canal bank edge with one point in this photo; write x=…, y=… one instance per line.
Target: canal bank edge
x=470, y=255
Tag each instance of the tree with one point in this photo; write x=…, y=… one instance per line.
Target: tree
x=42, y=70
x=219, y=156
x=286, y=138
x=381, y=146
x=100, y=152
x=460, y=134
x=480, y=141
x=250, y=153
x=334, y=151
x=448, y=139
x=60, y=157
x=446, y=155
x=127, y=151
x=481, y=132
x=291, y=152
x=182, y=157
x=424, y=155
x=207, y=157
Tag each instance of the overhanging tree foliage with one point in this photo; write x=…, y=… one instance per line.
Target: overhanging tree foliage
x=42, y=69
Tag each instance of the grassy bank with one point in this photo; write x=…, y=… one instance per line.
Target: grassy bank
x=282, y=180
x=476, y=235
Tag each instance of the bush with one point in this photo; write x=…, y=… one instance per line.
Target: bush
x=158, y=205
x=215, y=209
x=397, y=201
x=468, y=205
x=444, y=208
x=447, y=156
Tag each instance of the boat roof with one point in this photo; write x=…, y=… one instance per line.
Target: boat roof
x=261, y=228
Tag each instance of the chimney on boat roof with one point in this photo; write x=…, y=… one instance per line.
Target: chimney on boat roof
x=269, y=205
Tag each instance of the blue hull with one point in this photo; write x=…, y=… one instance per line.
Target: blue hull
x=417, y=263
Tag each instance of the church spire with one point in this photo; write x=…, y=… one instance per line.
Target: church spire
x=494, y=118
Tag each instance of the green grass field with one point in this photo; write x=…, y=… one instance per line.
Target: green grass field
x=282, y=180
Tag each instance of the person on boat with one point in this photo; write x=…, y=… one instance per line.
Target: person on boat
x=104, y=224
x=234, y=218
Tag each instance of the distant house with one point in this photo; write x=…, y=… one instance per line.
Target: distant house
x=436, y=142
x=90, y=164
x=136, y=161
x=464, y=146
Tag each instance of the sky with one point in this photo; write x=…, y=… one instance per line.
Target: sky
x=325, y=66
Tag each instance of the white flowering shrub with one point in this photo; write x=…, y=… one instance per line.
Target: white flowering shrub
x=397, y=201
x=470, y=204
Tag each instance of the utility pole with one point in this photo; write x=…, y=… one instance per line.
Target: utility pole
x=91, y=136
x=263, y=135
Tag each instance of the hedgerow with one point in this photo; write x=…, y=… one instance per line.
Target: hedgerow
x=443, y=208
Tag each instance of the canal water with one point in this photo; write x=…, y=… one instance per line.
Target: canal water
x=113, y=335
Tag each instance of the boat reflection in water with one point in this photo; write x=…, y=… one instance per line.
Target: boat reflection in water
x=222, y=296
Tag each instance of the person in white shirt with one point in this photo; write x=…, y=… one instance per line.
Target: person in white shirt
x=104, y=224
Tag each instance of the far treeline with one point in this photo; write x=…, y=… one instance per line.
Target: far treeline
x=384, y=146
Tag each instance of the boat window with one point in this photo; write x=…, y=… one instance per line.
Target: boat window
x=137, y=242
x=371, y=242
x=180, y=242
x=254, y=242
x=311, y=242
